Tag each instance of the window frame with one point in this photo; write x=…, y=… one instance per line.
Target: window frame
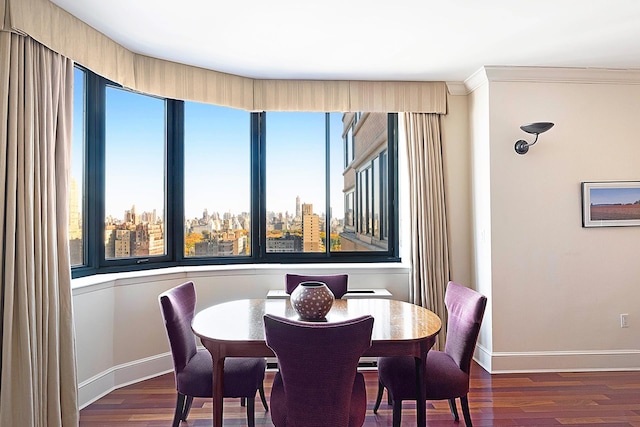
x=94, y=193
x=82, y=202
x=172, y=137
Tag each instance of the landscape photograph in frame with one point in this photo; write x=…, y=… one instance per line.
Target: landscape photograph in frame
x=611, y=204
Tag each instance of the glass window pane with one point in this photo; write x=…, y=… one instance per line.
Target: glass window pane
x=217, y=181
x=76, y=185
x=348, y=146
x=295, y=181
x=368, y=201
x=134, y=175
x=384, y=195
x=349, y=211
x=375, y=197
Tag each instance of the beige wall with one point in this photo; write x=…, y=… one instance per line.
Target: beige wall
x=481, y=212
x=457, y=176
x=557, y=290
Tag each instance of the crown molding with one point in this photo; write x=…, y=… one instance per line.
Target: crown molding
x=477, y=79
x=563, y=75
x=457, y=88
x=575, y=75
x=473, y=82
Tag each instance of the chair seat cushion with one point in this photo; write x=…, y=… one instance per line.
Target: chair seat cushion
x=357, y=408
x=242, y=376
x=444, y=379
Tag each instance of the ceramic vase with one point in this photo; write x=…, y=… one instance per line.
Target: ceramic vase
x=312, y=300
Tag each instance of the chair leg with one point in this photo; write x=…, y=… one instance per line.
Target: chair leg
x=187, y=408
x=397, y=412
x=243, y=401
x=251, y=416
x=263, y=397
x=454, y=409
x=465, y=411
x=179, y=410
x=379, y=398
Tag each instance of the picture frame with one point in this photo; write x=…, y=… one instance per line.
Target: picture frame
x=611, y=204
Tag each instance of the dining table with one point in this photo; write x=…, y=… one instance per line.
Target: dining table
x=236, y=329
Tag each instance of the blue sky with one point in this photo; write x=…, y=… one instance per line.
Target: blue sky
x=601, y=196
x=78, y=130
x=134, y=157
x=217, y=157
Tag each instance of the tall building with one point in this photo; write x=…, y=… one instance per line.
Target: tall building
x=123, y=240
x=75, y=220
x=75, y=226
x=298, y=211
x=365, y=182
x=155, y=236
x=131, y=216
x=310, y=230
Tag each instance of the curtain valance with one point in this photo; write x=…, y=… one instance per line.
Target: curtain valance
x=73, y=38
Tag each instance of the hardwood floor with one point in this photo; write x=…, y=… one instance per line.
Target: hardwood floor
x=543, y=399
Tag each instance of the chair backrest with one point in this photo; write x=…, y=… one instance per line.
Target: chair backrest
x=336, y=282
x=318, y=364
x=465, y=309
x=178, y=308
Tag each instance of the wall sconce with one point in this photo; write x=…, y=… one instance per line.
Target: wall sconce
x=537, y=128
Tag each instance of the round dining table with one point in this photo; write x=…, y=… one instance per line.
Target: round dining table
x=236, y=329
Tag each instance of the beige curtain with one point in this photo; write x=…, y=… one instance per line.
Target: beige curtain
x=38, y=378
x=429, y=242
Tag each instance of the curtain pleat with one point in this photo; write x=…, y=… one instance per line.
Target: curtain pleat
x=429, y=241
x=179, y=81
x=57, y=29
x=386, y=96
x=301, y=95
x=38, y=374
x=4, y=17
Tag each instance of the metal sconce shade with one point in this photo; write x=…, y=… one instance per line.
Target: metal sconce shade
x=536, y=129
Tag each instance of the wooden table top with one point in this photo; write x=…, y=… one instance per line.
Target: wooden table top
x=242, y=320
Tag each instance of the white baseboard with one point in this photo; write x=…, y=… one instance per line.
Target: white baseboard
x=557, y=361
x=493, y=362
x=122, y=375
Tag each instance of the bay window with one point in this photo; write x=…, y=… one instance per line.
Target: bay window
x=162, y=182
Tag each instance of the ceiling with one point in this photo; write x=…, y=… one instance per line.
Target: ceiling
x=371, y=39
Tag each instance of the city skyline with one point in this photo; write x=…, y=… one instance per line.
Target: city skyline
x=211, y=212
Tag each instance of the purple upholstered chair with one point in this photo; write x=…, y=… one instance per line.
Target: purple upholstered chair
x=193, y=368
x=336, y=282
x=318, y=384
x=447, y=372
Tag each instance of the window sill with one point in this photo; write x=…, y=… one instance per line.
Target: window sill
x=107, y=280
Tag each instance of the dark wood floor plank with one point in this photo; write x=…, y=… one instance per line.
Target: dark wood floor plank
x=609, y=399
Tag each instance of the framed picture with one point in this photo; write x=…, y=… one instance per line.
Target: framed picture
x=610, y=204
